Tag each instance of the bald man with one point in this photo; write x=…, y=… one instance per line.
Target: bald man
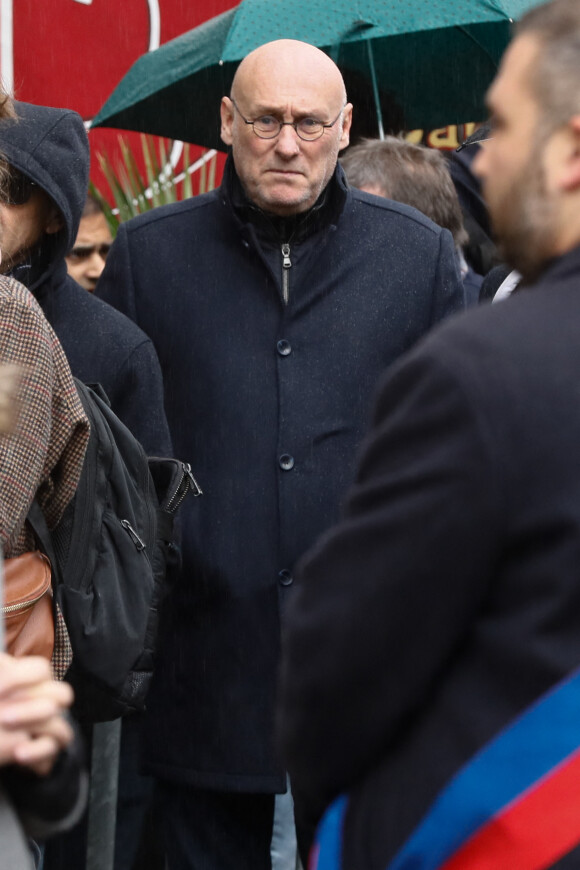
x=274, y=302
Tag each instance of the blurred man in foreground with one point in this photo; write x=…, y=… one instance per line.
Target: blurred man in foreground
x=446, y=604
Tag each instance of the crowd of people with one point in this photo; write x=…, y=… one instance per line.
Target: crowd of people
x=381, y=578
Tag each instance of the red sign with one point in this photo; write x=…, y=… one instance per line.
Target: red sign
x=73, y=53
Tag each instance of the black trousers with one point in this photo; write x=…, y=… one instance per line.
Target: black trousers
x=205, y=830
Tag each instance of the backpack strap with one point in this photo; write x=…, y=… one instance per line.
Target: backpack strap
x=37, y=522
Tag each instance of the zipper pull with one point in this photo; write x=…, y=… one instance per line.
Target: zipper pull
x=286, y=261
x=187, y=483
x=286, y=265
x=193, y=484
x=139, y=542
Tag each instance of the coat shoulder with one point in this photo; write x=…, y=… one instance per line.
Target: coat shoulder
x=394, y=213
x=174, y=211
x=72, y=309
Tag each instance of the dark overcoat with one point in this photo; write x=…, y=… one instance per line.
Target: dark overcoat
x=269, y=402
x=447, y=601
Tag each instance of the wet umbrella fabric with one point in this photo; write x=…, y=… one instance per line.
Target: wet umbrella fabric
x=432, y=60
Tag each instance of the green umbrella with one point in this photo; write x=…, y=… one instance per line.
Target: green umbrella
x=428, y=62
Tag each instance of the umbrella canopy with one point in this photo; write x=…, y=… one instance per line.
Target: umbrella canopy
x=431, y=60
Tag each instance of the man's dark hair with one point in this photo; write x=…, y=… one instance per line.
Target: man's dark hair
x=92, y=206
x=407, y=173
x=555, y=79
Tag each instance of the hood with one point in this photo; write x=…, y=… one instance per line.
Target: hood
x=51, y=147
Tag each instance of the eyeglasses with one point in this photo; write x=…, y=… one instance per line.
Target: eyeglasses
x=83, y=252
x=268, y=127
x=17, y=188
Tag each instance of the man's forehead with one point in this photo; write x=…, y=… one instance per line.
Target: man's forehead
x=512, y=79
x=288, y=71
x=91, y=226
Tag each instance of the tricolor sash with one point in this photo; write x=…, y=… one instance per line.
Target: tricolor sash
x=514, y=806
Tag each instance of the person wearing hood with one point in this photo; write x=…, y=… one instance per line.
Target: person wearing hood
x=46, y=152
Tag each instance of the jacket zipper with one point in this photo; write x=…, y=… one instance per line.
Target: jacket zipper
x=286, y=266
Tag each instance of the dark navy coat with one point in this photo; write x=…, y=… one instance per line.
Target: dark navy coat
x=269, y=402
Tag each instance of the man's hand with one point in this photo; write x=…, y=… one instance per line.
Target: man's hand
x=10, y=377
x=33, y=729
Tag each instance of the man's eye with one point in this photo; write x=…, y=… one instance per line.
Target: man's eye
x=307, y=123
x=266, y=121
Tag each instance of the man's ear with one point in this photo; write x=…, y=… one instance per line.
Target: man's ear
x=227, y=116
x=346, y=125
x=570, y=172
x=54, y=221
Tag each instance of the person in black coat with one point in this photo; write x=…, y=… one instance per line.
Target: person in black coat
x=446, y=602
x=274, y=303
x=47, y=153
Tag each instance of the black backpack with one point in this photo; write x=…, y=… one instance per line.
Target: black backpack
x=109, y=555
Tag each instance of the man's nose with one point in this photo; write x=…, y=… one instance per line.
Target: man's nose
x=288, y=141
x=95, y=265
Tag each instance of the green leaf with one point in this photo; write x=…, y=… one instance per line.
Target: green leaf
x=129, y=185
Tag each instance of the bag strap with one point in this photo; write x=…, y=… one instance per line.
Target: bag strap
x=38, y=524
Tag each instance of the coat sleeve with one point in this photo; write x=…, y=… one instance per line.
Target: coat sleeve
x=386, y=597
x=49, y=804
x=116, y=285
x=139, y=385
x=137, y=399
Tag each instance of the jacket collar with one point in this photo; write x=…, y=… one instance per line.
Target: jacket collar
x=561, y=267
x=324, y=213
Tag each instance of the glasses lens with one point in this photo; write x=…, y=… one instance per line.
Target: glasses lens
x=17, y=190
x=267, y=127
x=309, y=128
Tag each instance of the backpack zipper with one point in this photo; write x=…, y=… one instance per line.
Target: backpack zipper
x=139, y=542
x=188, y=483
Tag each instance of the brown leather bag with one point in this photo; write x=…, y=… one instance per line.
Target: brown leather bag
x=28, y=608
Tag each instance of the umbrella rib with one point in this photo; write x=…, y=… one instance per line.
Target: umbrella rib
x=482, y=47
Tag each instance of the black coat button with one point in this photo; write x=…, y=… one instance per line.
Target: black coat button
x=283, y=347
x=286, y=462
x=285, y=577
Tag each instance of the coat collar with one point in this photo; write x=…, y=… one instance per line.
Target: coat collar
x=323, y=214
x=565, y=266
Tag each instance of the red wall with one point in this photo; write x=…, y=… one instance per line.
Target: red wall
x=72, y=54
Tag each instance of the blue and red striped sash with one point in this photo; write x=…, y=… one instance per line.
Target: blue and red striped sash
x=514, y=806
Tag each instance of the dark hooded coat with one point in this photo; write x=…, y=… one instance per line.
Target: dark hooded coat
x=50, y=146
